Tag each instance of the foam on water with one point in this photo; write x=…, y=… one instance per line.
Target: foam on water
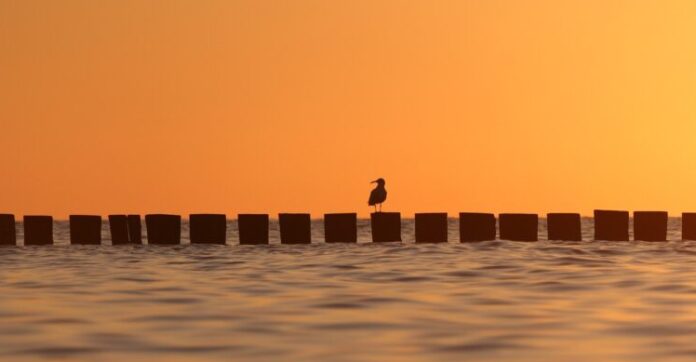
x=498, y=300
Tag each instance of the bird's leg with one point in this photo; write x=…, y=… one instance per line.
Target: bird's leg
x=375, y=207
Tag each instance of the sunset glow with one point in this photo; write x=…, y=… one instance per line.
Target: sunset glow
x=269, y=106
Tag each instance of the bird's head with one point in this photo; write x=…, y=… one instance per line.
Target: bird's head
x=379, y=181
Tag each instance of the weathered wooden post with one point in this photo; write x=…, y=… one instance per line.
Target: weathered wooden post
x=85, y=229
x=688, y=226
x=295, y=228
x=476, y=226
x=611, y=225
x=8, y=230
x=118, y=227
x=341, y=228
x=208, y=228
x=253, y=229
x=125, y=229
x=135, y=229
x=431, y=227
x=386, y=226
x=564, y=226
x=650, y=225
x=519, y=227
x=163, y=229
x=38, y=230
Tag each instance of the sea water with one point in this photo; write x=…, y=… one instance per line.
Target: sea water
x=496, y=300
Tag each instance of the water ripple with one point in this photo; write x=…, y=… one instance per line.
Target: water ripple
x=497, y=300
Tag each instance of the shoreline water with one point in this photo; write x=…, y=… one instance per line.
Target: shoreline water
x=493, y=300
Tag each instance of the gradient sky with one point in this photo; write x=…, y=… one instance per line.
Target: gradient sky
x=177, y=106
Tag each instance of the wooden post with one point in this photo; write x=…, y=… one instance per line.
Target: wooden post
x=208, y=228
x=253, y=229
x=476, y=226
x=650, y=225
x=118, y=226
x=688, y=226
x=125, y=229
x=85, y=229
x=431, y=227
x=163, y=229
x=341, y=228
x=386, y=226
x=38, y=230
x=611, y=225
x=8, y=230
x=564, y=226
x=295, y=228
x=135, y=229
x=519, y=227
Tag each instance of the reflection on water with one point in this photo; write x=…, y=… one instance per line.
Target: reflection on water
x=506, y=301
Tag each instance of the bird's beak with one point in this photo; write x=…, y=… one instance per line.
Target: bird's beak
x=373, y=182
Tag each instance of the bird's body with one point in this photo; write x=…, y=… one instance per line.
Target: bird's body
x=378, y=195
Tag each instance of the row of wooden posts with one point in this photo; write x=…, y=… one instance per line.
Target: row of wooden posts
x=609, y=225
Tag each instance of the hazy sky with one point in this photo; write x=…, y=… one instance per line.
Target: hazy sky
x=178, y=106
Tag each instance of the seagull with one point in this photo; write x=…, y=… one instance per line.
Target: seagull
x=378, y=195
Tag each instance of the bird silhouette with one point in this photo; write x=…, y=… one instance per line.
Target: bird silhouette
x=378, y=195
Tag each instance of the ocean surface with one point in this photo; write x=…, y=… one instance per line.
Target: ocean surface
x=492, y=301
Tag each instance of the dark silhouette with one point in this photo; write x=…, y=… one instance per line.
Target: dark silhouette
x=431, y=227
x=688, y=226
x=253, y=229
x=386, y=226
x=135, y=229
x=650, y=225
x=118, y=226
x=85, y=229
x=8, y=231
x=564, y=226
x=38, y=230
x=208, y=228
x=476, y=226
x=519, y=227
x=125, y=229
x=611, y=225
x=163, y=229
x=295, y=228
x=341, y=228
x=378, y=195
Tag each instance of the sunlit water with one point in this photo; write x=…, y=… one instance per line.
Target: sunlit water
x=501, y=300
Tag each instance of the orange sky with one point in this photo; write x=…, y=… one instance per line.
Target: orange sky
x=264, y=106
